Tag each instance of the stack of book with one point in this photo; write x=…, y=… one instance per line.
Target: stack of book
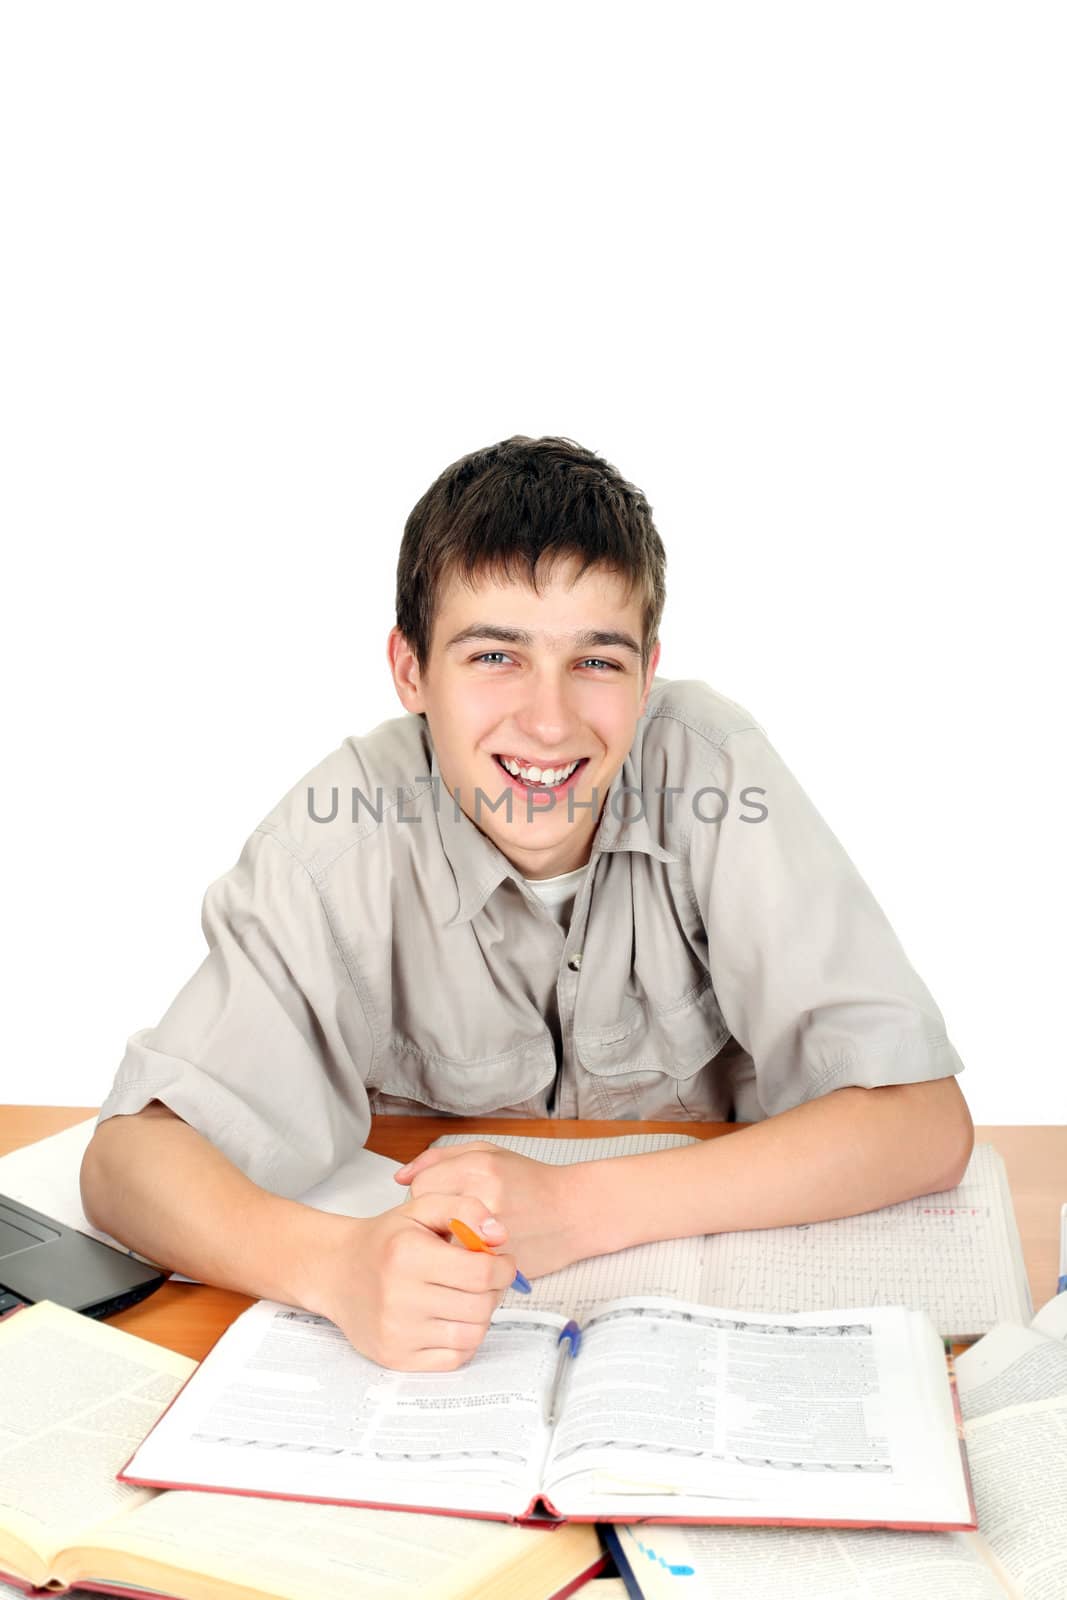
x=285, y=1465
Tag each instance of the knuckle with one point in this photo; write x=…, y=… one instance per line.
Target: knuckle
x=485, y=1274
x=396, y=1249
x=503, y=1272
x=464, y=1337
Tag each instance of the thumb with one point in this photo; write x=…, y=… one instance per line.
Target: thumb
x=436, y=1211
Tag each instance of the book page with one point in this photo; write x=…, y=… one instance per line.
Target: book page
x=1011, y=1366
x=1018, y=1459
x=283, y=1404
x=842, y=1415
x=954, y=1255
x=320, y=1552
x=75, y=1398
x=807, y=1563
x=672, y=1268
x=1051, y=1320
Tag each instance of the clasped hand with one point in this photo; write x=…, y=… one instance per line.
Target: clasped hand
x=531, y=1198
x=404, y=1292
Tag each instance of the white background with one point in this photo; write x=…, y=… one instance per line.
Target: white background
x=797, y=270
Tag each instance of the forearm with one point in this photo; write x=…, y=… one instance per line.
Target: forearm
x=846, y=1152
x=158, y=1186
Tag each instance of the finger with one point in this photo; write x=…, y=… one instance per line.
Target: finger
x=463, y=1337
x=457, y=1305
x=440, y=1181
x=471, y=1272
x=435, y=1211
x=436, y=1360
x=433, y=1156
x=425, y=1158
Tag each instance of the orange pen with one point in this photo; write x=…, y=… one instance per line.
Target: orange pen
x=474, y=1241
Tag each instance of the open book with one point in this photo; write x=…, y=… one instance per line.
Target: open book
x=1013, y=1392
x=669, y=1410
x=77, y=1395
x=955, y=1255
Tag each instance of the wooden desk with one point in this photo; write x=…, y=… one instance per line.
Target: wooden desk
x=190, y=1317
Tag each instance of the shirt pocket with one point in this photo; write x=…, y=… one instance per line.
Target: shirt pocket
x=410, y=1076
x=651, y=1062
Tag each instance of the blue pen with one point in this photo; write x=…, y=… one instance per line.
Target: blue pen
x=569, y=1342
x=1061, y=1287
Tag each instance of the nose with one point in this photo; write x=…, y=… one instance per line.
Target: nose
x=545, y=716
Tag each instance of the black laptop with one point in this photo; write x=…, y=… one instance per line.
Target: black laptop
x=42, y=1259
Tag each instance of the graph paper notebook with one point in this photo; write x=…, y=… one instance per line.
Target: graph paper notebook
x=955, y=1255
x=669, y=1411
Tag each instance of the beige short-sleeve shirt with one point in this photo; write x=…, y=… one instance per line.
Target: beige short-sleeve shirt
x=372, y=950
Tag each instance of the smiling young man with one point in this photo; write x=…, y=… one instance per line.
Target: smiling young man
x=559, y=885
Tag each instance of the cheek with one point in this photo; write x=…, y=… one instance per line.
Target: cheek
x=615, y=728
x=471, y=716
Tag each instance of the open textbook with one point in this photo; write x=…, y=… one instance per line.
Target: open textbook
x=955, y=1255
x=668, y=1410
x=76, y=1396
x=1013, y=1392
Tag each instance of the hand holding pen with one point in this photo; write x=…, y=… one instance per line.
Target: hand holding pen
x=568, y=1342
x=473, y=1241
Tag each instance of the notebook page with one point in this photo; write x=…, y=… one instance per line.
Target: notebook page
x=955, y=1255
x=672, y=1268
x=561, y=1152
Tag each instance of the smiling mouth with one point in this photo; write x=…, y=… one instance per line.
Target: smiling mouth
x=548, y=778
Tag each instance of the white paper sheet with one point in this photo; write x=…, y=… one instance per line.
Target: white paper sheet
x=44, y=1176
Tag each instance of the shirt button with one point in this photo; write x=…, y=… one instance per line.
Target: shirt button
x=575, y=962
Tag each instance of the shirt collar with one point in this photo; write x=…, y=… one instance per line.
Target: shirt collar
x=478, y=866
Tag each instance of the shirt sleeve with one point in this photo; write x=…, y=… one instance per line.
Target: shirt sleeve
x=810, y=977
x=266, y=1048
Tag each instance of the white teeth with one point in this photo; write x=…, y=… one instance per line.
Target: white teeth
x=548, y=777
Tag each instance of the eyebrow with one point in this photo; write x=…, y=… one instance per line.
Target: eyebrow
x=585, y=639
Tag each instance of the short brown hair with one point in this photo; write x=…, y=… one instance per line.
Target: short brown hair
x=507, y=506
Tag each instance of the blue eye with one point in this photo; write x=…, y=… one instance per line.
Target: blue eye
x=502, y=655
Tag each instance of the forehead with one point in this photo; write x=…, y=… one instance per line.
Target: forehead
x=562, y=604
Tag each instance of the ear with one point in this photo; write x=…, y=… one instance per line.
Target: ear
x=404, y=667
x=653, y=663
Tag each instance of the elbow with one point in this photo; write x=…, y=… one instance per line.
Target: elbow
x=95, y=1178
x=965, y=1150
x=936, y=1130
x=956, y=1142
x=89, y=1182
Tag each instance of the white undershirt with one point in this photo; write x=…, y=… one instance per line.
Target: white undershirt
x=559, y=893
